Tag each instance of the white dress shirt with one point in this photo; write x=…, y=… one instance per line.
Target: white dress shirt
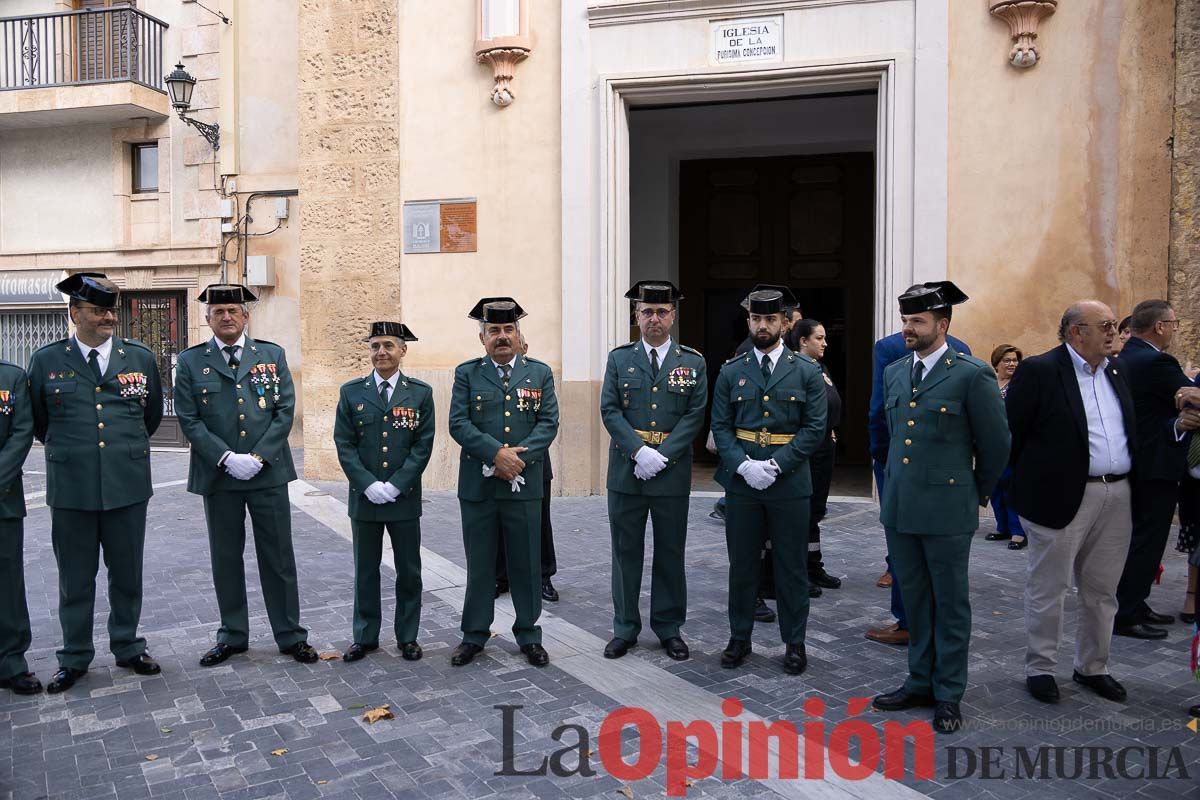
x=662, y=350
x=1108, y=447
x=774, y=355
x=930, y=361
x=103, y=352
x=240, y=344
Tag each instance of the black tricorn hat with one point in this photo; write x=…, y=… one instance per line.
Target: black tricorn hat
x=929, y=296
x=220, y=293
x=497, y=310
x=397, y=329
x=787, y=299
x=90, y=287
x=654, y=292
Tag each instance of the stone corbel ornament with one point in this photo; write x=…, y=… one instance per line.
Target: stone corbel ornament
x=1023, y=17
x=502, y=40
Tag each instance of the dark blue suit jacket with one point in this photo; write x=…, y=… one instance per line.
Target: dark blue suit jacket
x=1154, y=377
x=887, y=350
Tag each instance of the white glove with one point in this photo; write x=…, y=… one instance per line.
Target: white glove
x=650, y=462
x=242, y=466
x=516, y=483
x=392, y=491
x=488, y=470
x=377, y=494
x=758, y=474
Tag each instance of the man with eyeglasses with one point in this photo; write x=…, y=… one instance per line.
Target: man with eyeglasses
x=652, y=405
x=97, y=399
x=1167, y=411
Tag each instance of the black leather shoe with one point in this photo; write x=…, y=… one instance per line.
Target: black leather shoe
x=902, y=699
x=411, y=651
x=795, y=659
x=735, y=653
x=25, y=683
x=823, y=579
x=358, y=651
x=1152, y=618
x=1140, y=631
x=1104, y=685
x=763, y=612
x=676, y=648
x=501, y=588
x=302, y=652
x=549, y=593
x=64, y=679
x=219, y=653
x=1043, y=687
x=535, y=654
x=998, y=537
x=617, y=647
x=142, y=664
x=947, y=718
x=464, y=653
x=814, y=590
x=1194, y=711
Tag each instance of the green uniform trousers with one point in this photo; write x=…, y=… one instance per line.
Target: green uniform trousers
x=668, y=584
x=271, y=519
x=368, y=550
x=518, y=525
x=749, y=522
x=15, y=635
x=932, y=571
x=78, y=538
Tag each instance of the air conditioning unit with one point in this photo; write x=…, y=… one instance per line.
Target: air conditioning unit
x=260, y=270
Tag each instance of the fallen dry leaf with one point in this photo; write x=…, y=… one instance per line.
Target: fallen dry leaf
x=322, y=783
x=373, y=715
x=165, y=730
x=152, y=758
x=625, y=790
x=330, y=655
x=279, y=751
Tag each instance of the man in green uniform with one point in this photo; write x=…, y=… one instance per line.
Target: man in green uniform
x=384, y=437
x=96, y=402
x=652, y=404
x=16, y=436
x=950, y=441
x=504, y=414
x=235, y=401
x=768, y=416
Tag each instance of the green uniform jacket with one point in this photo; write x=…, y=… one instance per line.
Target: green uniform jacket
x=673, y=402
x=384, y=444
x=792, y=402
x=250, y=412
x=97, y=437
x=16, y=437
x=949, y=444
x=484, y=417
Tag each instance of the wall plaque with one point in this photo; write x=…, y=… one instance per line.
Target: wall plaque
x=440, y=226
x=749, y=40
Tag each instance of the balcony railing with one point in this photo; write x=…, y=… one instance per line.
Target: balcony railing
x=75, y=48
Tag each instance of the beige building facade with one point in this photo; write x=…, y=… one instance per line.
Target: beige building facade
x=847, y=148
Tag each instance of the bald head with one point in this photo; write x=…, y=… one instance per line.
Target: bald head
x=1089, y=327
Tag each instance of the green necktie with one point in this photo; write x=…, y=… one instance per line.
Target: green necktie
x=918, y=373
x=654, y=362
x=94, y=360
x=1194, y=452
x=766, y=368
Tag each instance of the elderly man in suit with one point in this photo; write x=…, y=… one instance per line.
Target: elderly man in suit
x=949, y=442
x=1158, y=384
x=1073, y=424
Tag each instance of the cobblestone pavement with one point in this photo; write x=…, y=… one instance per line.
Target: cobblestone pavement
x=262, y=726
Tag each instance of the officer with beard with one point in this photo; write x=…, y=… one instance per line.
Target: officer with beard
x=768, y=416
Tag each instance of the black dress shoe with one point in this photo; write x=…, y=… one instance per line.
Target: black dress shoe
x=535, y=654
x=735, y=653
x=814, y=590
x=823, y=579
x=763, y=612
x=1043, y=687
x=617, y=647
x=1139, y=631
x=358, y=651
x=795, y=659
x=501, y=588
x=302, y=652
x=549, y=593
x=142, y=664
x=411, y=651
x=902, y=699
x=676, y=648
x=1019, y=544
x=1194, y=711
x=1151, y=618
x=463, y=654
x=1104, y=685
x=998, y=537
x=64, y=679
x=219, y=653
x=947, y=718
x=25, y=683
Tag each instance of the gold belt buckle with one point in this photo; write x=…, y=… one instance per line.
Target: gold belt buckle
x=764, y=438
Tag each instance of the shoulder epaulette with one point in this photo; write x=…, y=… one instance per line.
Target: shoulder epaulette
x=898, y=360
x=136, y=343
x=59, y=343
x=265, y=341
x=533, y=360
x=205, y=343
x=626, y=345
x=738, y=357
x=972, y=360
x=470, y=361
x=691, y=350
x=417, y=381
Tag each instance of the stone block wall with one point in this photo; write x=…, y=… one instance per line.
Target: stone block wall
x=1184, y=286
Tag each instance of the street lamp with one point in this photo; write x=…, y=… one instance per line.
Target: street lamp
x=180, y=85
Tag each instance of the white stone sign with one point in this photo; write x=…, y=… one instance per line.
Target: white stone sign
x=743, y=41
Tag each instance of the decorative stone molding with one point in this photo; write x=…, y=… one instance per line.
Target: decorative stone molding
x=1023, y=17
x=502, y=40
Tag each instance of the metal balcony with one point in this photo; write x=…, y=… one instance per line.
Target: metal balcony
x=80, y=67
